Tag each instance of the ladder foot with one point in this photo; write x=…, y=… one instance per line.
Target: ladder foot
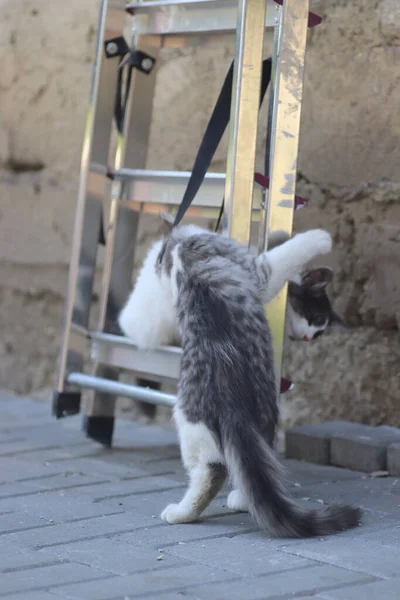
x=66, y=403
x=147, y=410
x=100, y=429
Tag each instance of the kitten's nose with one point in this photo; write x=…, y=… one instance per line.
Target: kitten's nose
x=304, y=339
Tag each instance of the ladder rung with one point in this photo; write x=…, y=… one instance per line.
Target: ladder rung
x=165, y=188
x=162, y=364
x=168, y=187
x=115, y=388
x=177, y=17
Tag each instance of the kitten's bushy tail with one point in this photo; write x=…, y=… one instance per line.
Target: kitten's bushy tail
x=253, y=465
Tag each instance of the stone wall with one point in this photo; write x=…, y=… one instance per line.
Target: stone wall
x=350, y=133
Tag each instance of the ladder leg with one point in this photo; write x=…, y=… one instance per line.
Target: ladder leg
x=88, y=212
x=121, y=236
x=244, y=117
x=287, y=97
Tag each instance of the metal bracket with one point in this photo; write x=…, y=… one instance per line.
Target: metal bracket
x=116, y=47
x=136, y=58
x=140, y=60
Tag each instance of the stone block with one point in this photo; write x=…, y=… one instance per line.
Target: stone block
x=364, y=449
x=393, y=459
x=389, y=590
x=312, y=443
x=44, y=577
x=154, y=584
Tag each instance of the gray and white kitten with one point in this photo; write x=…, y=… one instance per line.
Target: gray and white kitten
x=226, y=411
x=149, y=319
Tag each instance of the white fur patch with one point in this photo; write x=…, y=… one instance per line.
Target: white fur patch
x=148, y=317
x=298, y=328
x=237, y=501
x=198, y=445
x=199, y=450
x=287, y=261
x=176, y=268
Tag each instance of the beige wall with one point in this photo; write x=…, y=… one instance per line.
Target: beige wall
x=350, y=135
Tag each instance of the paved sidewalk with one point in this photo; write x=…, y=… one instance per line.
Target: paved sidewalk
x=81, y=522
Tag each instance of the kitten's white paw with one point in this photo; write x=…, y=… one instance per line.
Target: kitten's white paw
x=236, y=501
x=320, y=239
x=173, y=514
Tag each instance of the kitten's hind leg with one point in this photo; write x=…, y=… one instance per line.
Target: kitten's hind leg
x=237, y=501
x=205, y=464
x=205, y=483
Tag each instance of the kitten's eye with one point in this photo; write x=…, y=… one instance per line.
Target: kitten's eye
x=319, y=321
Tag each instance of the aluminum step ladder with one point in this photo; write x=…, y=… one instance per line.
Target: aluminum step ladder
x=115, y=188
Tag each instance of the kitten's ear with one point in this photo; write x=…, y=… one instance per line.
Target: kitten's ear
x=335, y=319
x=167, y=222
x=317, y=280
x=294, y=289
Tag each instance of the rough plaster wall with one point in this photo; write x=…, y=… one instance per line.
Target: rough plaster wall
x=350, y=133
x=353, y=375
x=351, y=127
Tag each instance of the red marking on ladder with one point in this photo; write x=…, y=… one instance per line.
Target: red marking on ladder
x=263, y=180
x=286, y=385
x=313, y=18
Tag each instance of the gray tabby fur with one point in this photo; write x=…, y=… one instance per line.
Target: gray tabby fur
x=226, y=410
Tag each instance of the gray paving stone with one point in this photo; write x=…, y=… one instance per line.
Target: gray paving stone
x=164, y=535
x=13, y=470
x=303, y=473
x=92, y=528
x=354, y=554
x=297, y=581
x=378, y=495
x=139, y=585
x=238, y=555
x=27, y=447
x=65, y=480
x=60, y=506
x=124, y=488
x=114, y=556
x=147, y=504
x=18, y=558
x=312, y=443
x=113, y=470
x=20, y=521
x=192, y=594
x=70, y=527
x=393, y=459
x=57, y=454
x=45, y=577
x=16, y=489
x=387, y=590
x=41, y=595
x=363, y=450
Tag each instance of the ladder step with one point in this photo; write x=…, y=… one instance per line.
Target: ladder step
x=177, y=17
x=168, y=187
x=148, y=191
x=161, y=364
x=115, y=388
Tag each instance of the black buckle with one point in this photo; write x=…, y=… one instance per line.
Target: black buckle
x=135, y=58
x=139, y=60
x=116, y=47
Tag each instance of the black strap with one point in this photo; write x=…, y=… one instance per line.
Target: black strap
x=121, y=102
x=212, y=137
